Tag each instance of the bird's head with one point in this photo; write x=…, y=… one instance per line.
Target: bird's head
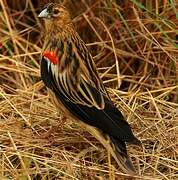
x=57, y=14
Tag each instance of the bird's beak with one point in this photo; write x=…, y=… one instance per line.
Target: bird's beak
x=44, y=14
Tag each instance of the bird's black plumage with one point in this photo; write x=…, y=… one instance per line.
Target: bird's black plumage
x=109, y=120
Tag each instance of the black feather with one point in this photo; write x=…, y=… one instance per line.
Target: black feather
x=110, y=120
x=45, y=74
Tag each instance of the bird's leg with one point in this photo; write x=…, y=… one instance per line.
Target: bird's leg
x=54, y=128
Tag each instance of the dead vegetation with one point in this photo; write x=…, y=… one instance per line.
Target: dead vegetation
x=134, y=44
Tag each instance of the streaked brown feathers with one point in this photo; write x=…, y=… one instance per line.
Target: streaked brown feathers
x=75, y=68
x=77, y=87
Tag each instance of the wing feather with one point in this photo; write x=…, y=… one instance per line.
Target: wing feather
x=75, y=72
x=108, y=119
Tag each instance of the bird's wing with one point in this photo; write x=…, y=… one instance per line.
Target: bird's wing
x=75, y=73
x=109, y=119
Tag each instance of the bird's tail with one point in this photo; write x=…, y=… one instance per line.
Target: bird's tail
x=121, y=156
x=116, y=148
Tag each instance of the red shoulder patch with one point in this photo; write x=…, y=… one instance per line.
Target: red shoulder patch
x=51, y=56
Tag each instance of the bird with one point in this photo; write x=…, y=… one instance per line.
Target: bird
x=70, y=74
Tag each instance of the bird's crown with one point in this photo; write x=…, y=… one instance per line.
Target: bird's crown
x=55, y=11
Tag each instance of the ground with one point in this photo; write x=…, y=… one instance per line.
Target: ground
x=134, y=44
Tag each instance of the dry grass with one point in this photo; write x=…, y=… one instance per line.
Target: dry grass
x=135, y=48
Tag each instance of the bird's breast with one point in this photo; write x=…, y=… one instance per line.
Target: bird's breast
x=51, y=56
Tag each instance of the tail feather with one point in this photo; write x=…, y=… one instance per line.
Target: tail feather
x=122, y=158
x=116, y=148
x=125, y=163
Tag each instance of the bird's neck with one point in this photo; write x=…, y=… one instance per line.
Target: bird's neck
x=58, y=34
x=59, y=29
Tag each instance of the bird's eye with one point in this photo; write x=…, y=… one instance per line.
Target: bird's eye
x=56, y=11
